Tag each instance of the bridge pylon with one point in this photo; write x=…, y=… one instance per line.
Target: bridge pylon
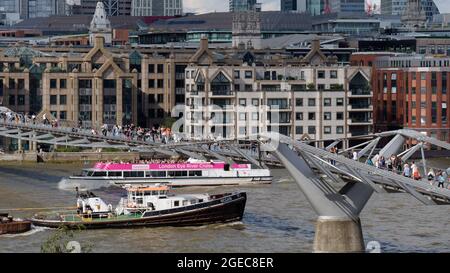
x=338, y=226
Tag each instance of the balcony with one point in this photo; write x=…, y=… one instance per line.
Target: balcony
x=360, y=94
x=356, y=121
x=222, y=93
x=360, y=107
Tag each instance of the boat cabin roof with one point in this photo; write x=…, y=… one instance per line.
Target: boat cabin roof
x=146, y=189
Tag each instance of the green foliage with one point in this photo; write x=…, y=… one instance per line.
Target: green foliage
x=168, y=122
x=111, y=150
x=311, y=86
x=68, y=149
x=58, y=242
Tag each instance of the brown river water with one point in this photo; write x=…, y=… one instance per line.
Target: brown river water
x=277, y=218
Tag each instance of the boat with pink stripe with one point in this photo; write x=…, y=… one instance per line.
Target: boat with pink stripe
x=181, y=174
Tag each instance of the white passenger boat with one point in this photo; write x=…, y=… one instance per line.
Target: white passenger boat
x=190, y=173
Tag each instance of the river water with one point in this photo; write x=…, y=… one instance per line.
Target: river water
x=278, y=218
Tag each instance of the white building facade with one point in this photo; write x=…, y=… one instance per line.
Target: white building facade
x=304, y=101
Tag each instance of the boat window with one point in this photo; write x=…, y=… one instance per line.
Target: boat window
x=147, y=193
x=200, y=200
x=177, y=173
x=99, y=174
x=89, y=173
x=114, y=174
x=84, y=173
x=162, y=192
x=176, y=203
x=139, y=201
x=185, y=202
x=154, y=192
x=126, y=174
x=156, y=174
x=193, y=202
x=137, y=174
x=195, y=173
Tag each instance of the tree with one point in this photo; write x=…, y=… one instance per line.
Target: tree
x=62, y=242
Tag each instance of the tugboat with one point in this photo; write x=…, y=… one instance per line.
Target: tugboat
x=9, y=225
x=148, y=206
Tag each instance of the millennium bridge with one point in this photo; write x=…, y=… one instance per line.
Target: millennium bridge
x=337, y=187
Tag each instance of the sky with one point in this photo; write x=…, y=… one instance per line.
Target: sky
x=202, y=6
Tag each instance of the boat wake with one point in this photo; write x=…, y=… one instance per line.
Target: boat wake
x=67, y=185
x=33, y=230
x=283, y=180
x=236, y=225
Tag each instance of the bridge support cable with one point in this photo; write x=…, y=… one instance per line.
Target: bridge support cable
x=370, y=146
x=332, y=145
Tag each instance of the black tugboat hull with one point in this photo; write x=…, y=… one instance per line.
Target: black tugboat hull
x=229, y=208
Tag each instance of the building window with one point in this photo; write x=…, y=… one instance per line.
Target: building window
x=299, y=102
x=248, y=87
x=21, y=84
x=339, y=116
x=160, y=113
x=311, y=102
x=311, y=116
x=327, y=115
x=237, y=74
x=299, y=130
x=327, y=102
x=339, y=102
x=237, y=87
x=248, y=74
x=21, y=100
x=321, y=74
x=62, y=99
x=12, y=84
x=327, y=130
x=160, y=84
x=62, y=83
x=151, y=98
x=243, y=102
x=243, y=116
x=53, y=83
x=339, y=129
x=423, y=76
x=151, y=68
x=160, y=98
x=160, y=68
x=255, y=116
x=242, y=130
x=299, y=116
x=255, y=102
x=12, y=100
x=151, y=83
x=333, y=74
x=53, y=99
x=63, y=115
x=312, y=130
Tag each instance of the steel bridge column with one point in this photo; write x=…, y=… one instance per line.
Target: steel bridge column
x=338, y=227
x=393, y=146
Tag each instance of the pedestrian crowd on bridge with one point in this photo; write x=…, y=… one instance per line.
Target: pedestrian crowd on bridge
x=132, y=132
x=411, y=170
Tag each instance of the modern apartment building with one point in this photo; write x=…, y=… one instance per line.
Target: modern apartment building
x=306, y=98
